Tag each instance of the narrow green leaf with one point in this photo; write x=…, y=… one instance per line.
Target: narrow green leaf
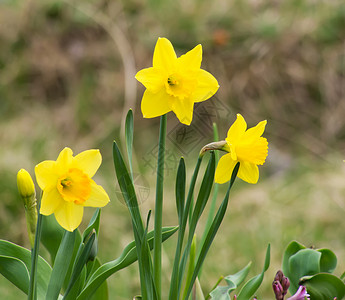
x=93, y=224
x=52, y=234
x=249, y=289
x=174, y=292
x=127, y=257
x=129, y=139
x=212, y=232
x=9, y=249
x=324, y=286
x=61, y=265
x=180, y=189
x=14, y=270
x=81, y=262
x=127, y=189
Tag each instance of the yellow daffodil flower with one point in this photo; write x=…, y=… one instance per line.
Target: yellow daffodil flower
x=245, y=146
x=67, y=186
x=175, y=83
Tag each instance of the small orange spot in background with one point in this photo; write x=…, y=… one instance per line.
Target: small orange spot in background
x=220, y=37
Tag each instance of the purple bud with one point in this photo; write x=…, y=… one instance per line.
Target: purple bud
x=278, y=290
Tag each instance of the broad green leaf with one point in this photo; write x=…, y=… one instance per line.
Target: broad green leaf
x=15, y=271
x=328, y=261
x=290, y=250
x=249, y=289
x=324, y=286
x=61, y=265
x=102, y=292
x=128, y=256
x=9, y=249
x=129, y=138
x=304, y=262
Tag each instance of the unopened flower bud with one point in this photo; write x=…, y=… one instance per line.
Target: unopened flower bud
x=25, y=185
x=280, y=285
x=26, y=190
x=221, y=145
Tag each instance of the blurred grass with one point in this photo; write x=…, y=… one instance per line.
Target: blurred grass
x=66, y=80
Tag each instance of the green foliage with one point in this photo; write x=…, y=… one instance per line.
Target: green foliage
x=312, y=268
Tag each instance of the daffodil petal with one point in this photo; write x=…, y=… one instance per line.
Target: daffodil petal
x=155, y=104
x=164, y=56
x=51, y=201
x=183, y=109
x=248, y=172
x=46, y=175
x=69, y=215
x=98, y=196
x=255, y=132
x=236, y=130
x=64, y=159
x=152, y=78
x=253, y=151
x=191, y=60
x=206, y=88
x=224, y=169
x=88, y=161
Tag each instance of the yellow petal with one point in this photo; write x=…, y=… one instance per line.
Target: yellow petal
x=255, y=132
x=98, y=196
x=207, y=86
x=152, y=78
x=224, y=168
x=164, y=56
x=51, y=201
x=248, y=172
x=46, y=174
x=191, y=60
x=236, y=130
x=254, y=151
x=69, y=215
x=64, y=159
x=155, y=104
x=88, y=161
x=183, y=109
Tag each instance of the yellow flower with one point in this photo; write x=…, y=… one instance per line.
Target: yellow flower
x=245, y=146
x=67, y=186
x=25, y=184
x=175, y=83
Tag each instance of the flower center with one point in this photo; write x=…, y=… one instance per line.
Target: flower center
x=74, y=186
x=180, y=86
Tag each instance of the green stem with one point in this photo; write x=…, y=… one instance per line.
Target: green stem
x=32, y=294
x=157, y=254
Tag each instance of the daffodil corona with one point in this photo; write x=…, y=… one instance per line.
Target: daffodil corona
x=67, y=186
x=245, y=146
x=175, y=83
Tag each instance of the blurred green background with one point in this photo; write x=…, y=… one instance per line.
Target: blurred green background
x=67, y=79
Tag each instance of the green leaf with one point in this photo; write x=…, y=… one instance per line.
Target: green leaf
x=249, y=289
x=93, y=224
x=180, y=189
x=9, y=249
x=304, y=262
x=328, y=261
x=212, y=232
x=128, y=256
x=129, y=138
x=15, y=271
x=290, y=250
x=102, y=292
x=324, y=286
x=80, y=263
x=61, y=265
x=233, y=281
x=51, y=236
